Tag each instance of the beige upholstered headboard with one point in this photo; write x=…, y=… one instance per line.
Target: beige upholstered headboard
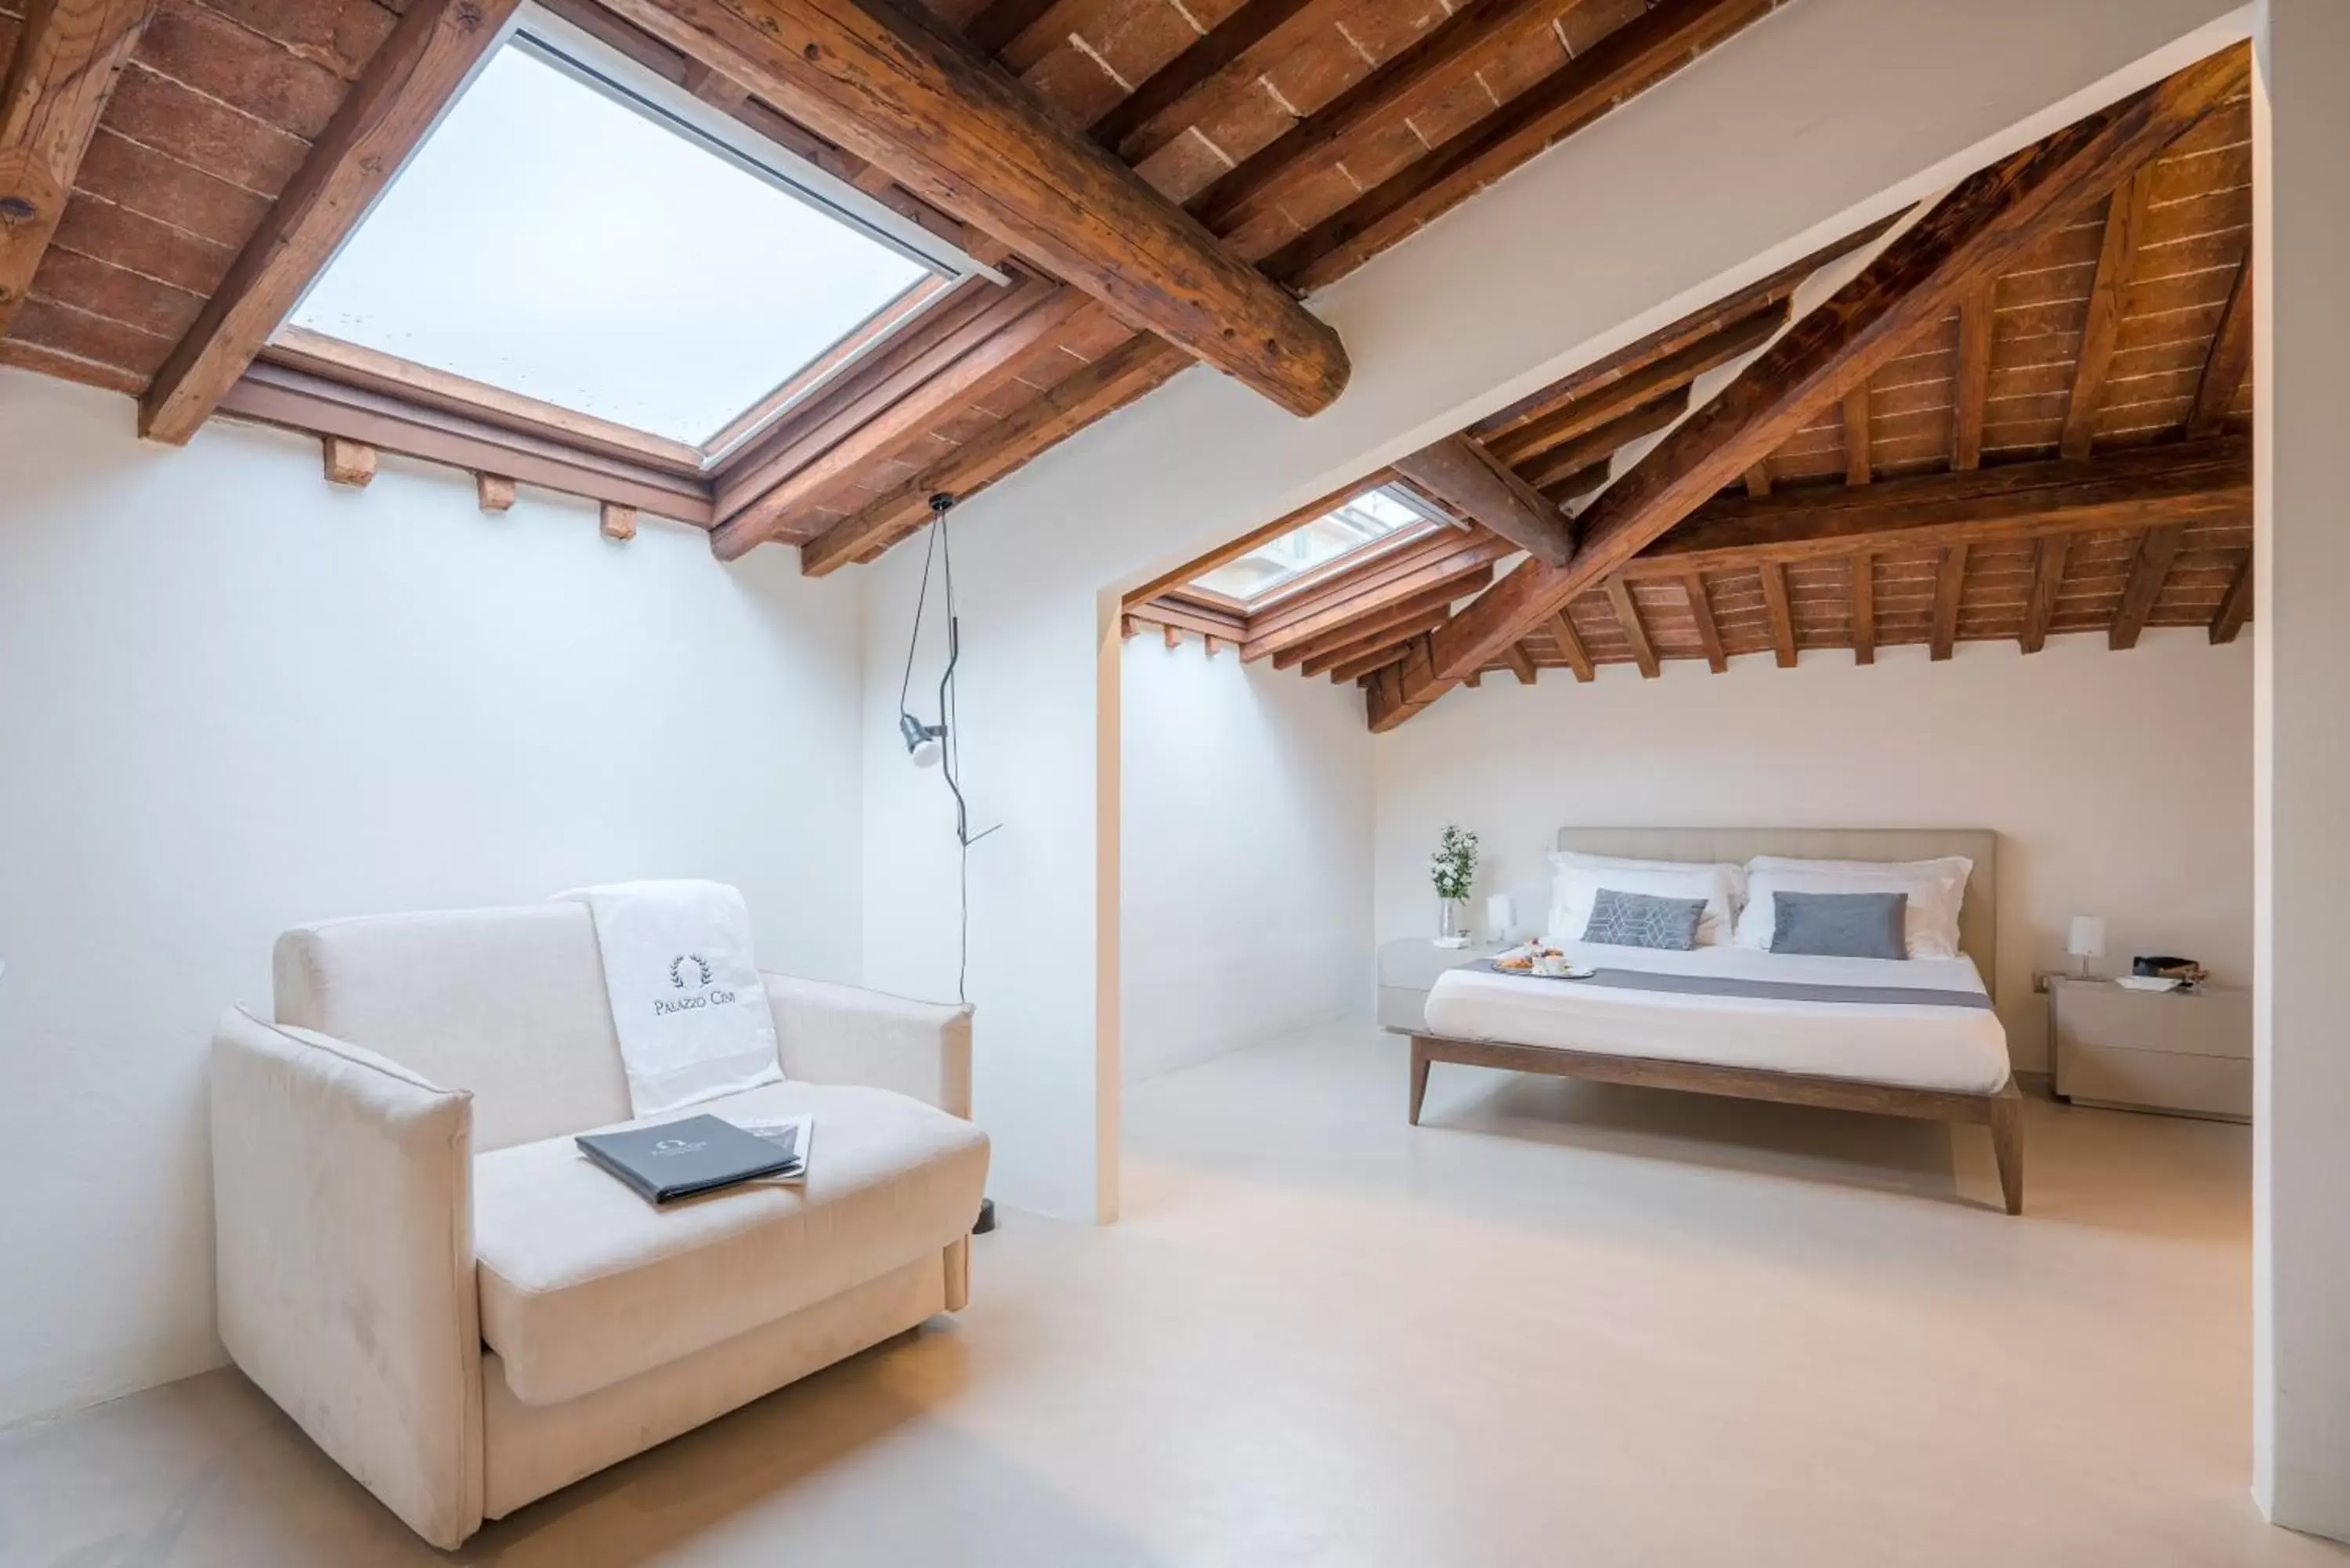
x=1977, y=917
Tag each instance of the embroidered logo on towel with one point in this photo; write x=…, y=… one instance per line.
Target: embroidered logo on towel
x=709, y=996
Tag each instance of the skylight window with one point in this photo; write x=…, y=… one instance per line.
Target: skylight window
x=1375, y=516
x=566, y=235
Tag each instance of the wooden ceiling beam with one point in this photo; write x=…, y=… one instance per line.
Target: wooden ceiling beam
x=414, y=74
x=1582, y=481
x=1264, y=533
x=931, y=401
x=1637, y=388
x=1408, y=621
x=2116, y=258
x=1949, y=586
x=1115, y=379
x=2188, y=483
x=1411, y=579
x=1594, y=446
x=1758, y=477
x=1626, y=61
x=2149, y=569
x=1460, y=473
x=1857, y=467
x=1571, y=647
x=69, y=55
x=992, y=30
x=2047, y=585
x=1863, y=571
x=1351, y=587
x=1391, y=86
x=1371, y=659
x=2231, y=359
x=1973, y=234
x=1382, y=619
x=1522, y=663
x=1781, y=609
x=1972, y=393
x=2236, y=604
x=887, y=80
x=1156, y=111
x=1709, y=631
x=1627, y=616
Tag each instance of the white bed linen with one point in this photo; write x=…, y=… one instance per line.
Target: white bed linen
x=1915, y=1046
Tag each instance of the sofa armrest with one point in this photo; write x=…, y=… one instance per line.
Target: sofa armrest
x=342, y=1192
x=828, y=1034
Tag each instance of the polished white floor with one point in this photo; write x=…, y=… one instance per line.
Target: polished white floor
x=1555, y=1325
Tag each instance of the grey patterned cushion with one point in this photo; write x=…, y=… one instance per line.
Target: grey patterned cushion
x=1644, y=921
x=1840, y=925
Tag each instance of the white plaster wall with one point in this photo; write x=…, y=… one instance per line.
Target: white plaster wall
x=1826, y=115
x=2301, y=1158
x=2120, y=784
x=232, y=697
x=1245, y=858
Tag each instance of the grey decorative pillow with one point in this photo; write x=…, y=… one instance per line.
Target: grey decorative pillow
x=1840, y=925
x=1643, y=920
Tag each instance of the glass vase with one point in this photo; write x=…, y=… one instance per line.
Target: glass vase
x=1452, y=922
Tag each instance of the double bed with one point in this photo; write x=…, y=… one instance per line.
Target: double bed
x=1915, y=1037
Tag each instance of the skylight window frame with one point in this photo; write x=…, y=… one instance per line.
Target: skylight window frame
x=1433, y=518
x=601, y=66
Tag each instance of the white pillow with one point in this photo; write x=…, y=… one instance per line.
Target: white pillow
x=1577, y=879
x=1930, y=925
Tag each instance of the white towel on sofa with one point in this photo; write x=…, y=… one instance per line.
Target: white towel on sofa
x=686, y=1000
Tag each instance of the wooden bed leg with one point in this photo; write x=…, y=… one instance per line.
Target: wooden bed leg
x=2007, y=1145
x=1420, y=1064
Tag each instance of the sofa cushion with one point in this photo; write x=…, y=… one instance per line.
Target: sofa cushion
x=583, y=1282
x=506, y=1004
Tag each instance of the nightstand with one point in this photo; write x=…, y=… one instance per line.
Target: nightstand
x=2184, y=1053
x=1408, y=972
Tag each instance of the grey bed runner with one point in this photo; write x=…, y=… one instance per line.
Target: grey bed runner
x=1761, y=990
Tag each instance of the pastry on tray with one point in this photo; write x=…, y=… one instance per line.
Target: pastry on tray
x=1521, y=961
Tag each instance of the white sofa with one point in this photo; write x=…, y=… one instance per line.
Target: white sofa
x=417, y=1265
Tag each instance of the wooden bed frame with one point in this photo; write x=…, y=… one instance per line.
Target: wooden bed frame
x=2001, y=1111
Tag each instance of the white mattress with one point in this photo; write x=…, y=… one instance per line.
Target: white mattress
x=1915, y=1046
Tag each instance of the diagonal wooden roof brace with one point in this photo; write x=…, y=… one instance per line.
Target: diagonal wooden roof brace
x=1965, y=242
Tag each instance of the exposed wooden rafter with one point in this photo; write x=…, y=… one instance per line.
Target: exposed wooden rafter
x=891, y=83
x=2155, y=485
x=1973, y=389
x=1115, y=379
x=1856, y=466
x=1152, y=115
x=2157, y=549
x=1950, y=588
x=2231, y=359
x=1460, y=474
x=2236, y=607
x=1624, y=61
x=1635, y=631
x=1393, y=85
x=1558, y=465
x=1955, y=250
x=1571, y=647
x=2124, y=224
x=1782, y=611
x=411, y=78
x=2047, y=585
x=1709, y=631
x=1863, y=609
x=68, y=54
x=1638, y=389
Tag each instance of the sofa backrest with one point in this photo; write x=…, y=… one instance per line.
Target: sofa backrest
x=507, y=1004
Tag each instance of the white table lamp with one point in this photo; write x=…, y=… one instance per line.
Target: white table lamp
x=2084, y=942
x=1501, y=916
